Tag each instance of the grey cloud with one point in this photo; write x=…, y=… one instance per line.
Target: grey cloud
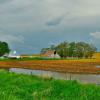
x=10, y=38
x=55, y=21
x=29, y=20
x=4, y=1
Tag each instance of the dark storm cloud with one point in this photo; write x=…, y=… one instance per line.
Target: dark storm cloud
x=55, y=21
x=29, y=25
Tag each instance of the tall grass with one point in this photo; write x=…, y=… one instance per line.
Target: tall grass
x=37, y=58
x=24, y=87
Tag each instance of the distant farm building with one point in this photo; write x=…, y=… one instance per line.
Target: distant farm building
x=51, y=54
x=13, y=55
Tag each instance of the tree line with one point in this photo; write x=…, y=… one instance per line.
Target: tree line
x=73, y=49
x=4, y=48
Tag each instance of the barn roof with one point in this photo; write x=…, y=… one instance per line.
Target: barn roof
x=48, y=53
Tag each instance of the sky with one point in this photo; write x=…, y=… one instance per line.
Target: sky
x=29, y=25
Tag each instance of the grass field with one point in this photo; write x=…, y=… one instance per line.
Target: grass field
x=23, y=87
x=96, y=55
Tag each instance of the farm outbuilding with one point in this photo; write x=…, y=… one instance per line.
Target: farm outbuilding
x=51, y=54
x=13, y=55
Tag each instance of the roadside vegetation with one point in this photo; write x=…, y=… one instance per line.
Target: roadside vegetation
x=43, y=58
x=36, y=58
x=24, y=87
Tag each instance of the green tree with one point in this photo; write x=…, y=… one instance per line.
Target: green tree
x=43, y=50
x=90, y=50
x=52, y=47
x=72, y=49
x=4, y=48
x=85, y=50
x=79, y=49
x=63, y=49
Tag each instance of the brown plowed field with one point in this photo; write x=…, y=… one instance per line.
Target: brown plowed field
x=84, y=66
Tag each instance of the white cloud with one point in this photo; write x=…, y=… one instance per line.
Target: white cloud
x=95, y=35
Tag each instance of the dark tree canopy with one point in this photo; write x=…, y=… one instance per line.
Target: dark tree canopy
x=73, y=49
x=4, y=48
